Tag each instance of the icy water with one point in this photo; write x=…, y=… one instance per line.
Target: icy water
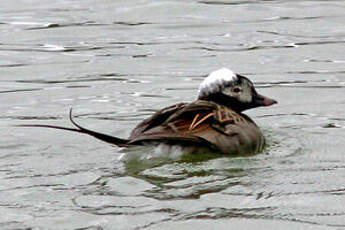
x=116, y=62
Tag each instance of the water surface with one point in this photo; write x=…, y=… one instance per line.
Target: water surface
x=117, y=62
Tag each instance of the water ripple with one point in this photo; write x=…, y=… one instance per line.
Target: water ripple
x=31, y=117
x=324, y=61
x=20, y=90
x=50, y=25
x=12, y=65
x=249, y=48
x=232, y=2
x=283, y=34
x=87, y=78
x=132, y=23
x=48, y=48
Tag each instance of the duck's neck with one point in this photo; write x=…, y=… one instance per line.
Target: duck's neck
x=227, y=101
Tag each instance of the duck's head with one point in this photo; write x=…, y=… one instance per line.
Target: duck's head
x=233, y=90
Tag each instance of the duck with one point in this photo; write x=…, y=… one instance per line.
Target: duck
x=214, y=121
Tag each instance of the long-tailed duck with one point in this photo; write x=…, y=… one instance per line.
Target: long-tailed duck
x=214, y=121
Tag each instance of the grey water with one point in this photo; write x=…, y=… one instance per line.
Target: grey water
x=116, y=62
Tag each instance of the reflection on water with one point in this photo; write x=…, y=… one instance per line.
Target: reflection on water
x=117, y=62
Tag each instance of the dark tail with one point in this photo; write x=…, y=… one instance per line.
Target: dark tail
x=100, y=136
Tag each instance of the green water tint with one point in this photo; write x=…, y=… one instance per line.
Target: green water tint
x=162, y=171
x=135, y=165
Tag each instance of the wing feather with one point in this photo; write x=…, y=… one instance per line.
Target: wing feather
x=201, y=122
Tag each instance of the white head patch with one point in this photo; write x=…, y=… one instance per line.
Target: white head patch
x=216, y=81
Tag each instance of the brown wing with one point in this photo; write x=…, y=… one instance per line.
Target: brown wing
x=155, y=120
x=199, y=122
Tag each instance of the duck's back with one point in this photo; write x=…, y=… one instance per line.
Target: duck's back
x=201, y=123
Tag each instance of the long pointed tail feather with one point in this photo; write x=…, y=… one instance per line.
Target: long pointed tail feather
x=100, y=136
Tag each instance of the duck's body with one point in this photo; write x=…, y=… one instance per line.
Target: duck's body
x=200, y=123
x=214, y=121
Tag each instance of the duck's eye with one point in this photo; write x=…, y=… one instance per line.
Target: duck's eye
x=236, y=90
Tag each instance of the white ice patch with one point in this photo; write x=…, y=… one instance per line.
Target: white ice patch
x=215, y=81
